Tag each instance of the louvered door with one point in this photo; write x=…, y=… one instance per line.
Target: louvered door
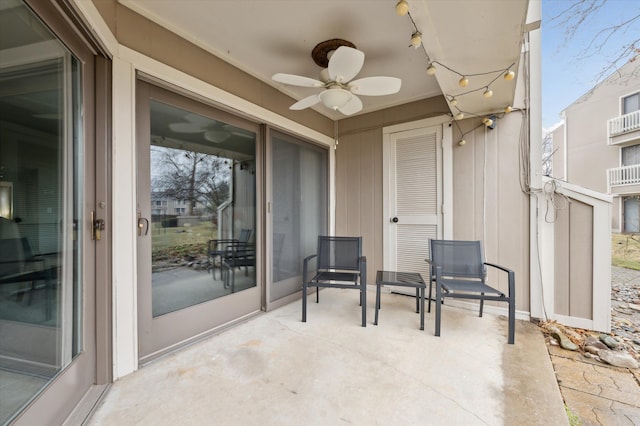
x=414, y=197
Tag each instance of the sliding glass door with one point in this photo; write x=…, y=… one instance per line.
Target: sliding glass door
x=47, y=194
x=298, y=206
x=198, y=257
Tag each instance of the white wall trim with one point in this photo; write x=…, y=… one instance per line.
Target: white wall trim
x=124, y=268
x=97, y=24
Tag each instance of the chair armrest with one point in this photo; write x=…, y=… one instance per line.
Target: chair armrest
x=212, y=245
x=363, y=269
x=498, y=267
x=432, y=272
x=305, y=267
x=511, y=275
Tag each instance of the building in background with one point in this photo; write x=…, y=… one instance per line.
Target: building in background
x=598, y=144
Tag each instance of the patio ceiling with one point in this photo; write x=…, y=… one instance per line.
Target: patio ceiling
x=266, y=37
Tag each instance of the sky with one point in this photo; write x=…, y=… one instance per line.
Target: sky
x=567, y=74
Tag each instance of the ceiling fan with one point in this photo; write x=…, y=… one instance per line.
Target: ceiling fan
x=214, y=131
x=341, y=62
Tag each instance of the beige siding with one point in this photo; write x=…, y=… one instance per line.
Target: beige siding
x=489, y=204
x=574, y=260
x=359, y=173
x=588, y=154
x=504, y=227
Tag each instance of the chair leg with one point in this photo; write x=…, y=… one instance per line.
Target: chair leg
x=422, y=308
x=438, y=306
x=375, y=320
x=481, y=305
x=363, y=300
x=233, y=281
x=304, y=302
x=317, y=294
x=430, y=287
x=512, y=321
x=418, y=300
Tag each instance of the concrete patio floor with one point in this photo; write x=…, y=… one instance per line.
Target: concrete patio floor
x=275, y=370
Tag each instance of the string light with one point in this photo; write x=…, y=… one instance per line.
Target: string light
x=402, y=8
x=416, y=39
x=462, y=142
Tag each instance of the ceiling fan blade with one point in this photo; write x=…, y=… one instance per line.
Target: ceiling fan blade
x=354, y=105
x=306, y=102
x=198, y=119
x=186, y=127
x=297, y=80
x=345, y=63
x=375, y=86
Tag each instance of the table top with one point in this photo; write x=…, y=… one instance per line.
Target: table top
x=399, y=278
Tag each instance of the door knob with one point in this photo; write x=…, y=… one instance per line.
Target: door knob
x=143, y=223
x=394, y=220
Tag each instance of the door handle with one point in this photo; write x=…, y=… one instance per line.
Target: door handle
x=394, y=220
x=97, y=226
x=143, y=223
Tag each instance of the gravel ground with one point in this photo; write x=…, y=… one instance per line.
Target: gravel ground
x=625, y=306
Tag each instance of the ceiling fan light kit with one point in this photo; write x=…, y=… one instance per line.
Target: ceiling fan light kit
x=335, y=98
x=341, y=62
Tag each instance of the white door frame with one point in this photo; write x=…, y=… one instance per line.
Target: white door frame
x=446, y=189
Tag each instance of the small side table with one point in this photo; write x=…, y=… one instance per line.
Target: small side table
x=402, y=279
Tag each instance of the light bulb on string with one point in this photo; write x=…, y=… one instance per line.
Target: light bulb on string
x=508, y=109
x=487, y=93
x=509, y=75
x=462, y=142
x=463, y=82
x=453, y=102
x=431, y=69
x=402, y=8
x=487, y=121
x=416, y=39
x=459, y=116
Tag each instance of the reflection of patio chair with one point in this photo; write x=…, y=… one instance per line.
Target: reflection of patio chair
x=340, y=264
x=216, y=248
x=19, y=265
x=236, y=255
x=458, y=269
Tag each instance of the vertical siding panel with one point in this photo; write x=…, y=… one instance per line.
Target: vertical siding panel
x=367, y=189
x=581, y=260
x=561, y=260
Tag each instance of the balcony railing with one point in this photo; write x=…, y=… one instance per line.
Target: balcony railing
x=625, y=175
x=624, y=124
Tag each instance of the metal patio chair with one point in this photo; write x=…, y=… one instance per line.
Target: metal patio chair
x=458, y=270
x=340, y=264
x=217, y=248
x=236, y=255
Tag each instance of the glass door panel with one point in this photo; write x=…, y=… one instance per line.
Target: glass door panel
x=43, y=247
x=299, y=208
x=196, y=218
